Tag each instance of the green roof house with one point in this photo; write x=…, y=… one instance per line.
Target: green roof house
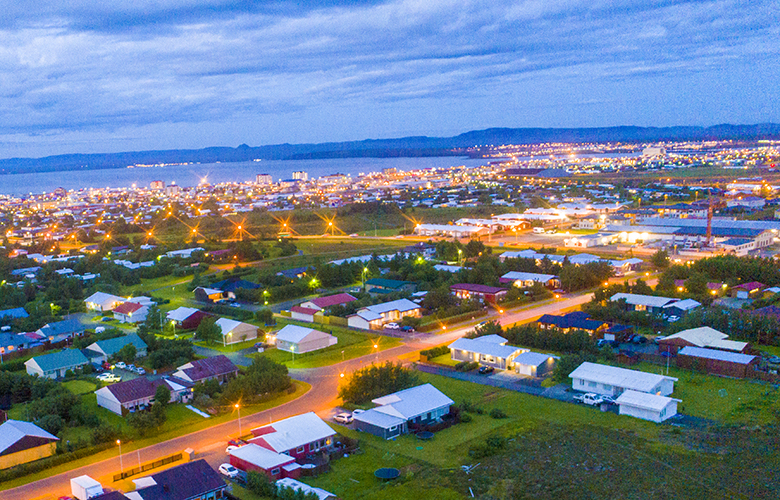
x=56, y=364
x=107, y=348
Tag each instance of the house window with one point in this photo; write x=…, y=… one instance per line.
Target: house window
x=582, y=382
x=393, y=428
x=663, y=412
x=300, y=449
x=275, y=472
x=607, y=387
x=592, y=384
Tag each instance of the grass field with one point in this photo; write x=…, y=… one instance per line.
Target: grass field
x=238, y=346
x=80, y=386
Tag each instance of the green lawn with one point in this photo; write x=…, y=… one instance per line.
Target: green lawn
x=444, y=359
x=238, y=346
x=80, y=386
x=353, y=344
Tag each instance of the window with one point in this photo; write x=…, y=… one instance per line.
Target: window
x=274, y=472
x=592, y=384
x=607, y=387
x=300, y=449
x=663, y=412
x=393, y=428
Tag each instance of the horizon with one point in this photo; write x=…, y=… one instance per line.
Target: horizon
x=123, y=77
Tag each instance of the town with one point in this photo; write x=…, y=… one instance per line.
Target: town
x=607, y=311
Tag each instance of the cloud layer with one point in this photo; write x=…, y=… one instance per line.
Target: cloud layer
x=193, y=73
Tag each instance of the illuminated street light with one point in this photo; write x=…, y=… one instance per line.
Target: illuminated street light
x=239, y=418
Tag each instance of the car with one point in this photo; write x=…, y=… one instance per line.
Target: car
x=407, y=329
x=357, y=412
x=228, y=470
x=608, y=400
x=343, y=418
x=673, y=319
x=639, y=339
x=131, y=368
x=605, y=342
x=121, y=365
x=233, y=304
x=775, y=360
x=486, y=369
x=106, y=365
x=140, y=370
x=106, y=319
x=109, y=377
x=551, y=231
x=538, y=230
x=392, y=326
x=231, y=447
x=590, y=399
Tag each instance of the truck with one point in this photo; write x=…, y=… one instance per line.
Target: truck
x=84, y=487
x=590, y=399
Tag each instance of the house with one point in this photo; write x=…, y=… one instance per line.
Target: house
x=748, y=290
x=103, y=302
x=187, y=318
x=527, y=280
x=395, y=413
x=729, y=364
x=194, y=480
x=649, y=303
x=235, y=331
x=219, y=368
x=131, y=395
x=627, y=266
x=703, y=336
x=22, y=442
x=681, y=307
x=131, y=312
x=10, y=342
x=62, y=330
x=576, y=320
x=298, y=339
x=255, y=458
x=482, y=293
x=738, y=246
x=322, y=303
x=612, y=381
x=294, y=273
x=374, y=317
x=489, y=350
x=14, y=313
x=56, y=364
x=296, y=436
x=108, y=348
x=203, y=294
x=231, y=285
x=382, y=285
x=647, y=406
x=534, y=364
x=296, y=485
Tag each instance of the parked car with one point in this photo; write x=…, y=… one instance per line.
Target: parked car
x=392, y=326
x=131, y=368
x=608, y=400
x=231, y=447
x=121, y=365
x=228, y=470
x=673, y=319
x=407, y=329
x=109, y=377
x=639, y=339
x=106, y=365
x=538, y=230
x=357, y=412
x=604, y=342
x=486, y=369
x=140, y=370
x=551, y=231
x=343, y=418
x=591, y=399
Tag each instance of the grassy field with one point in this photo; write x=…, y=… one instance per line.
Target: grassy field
x=444, y=359
x=238, y=346
x=80, y=386
x=351, y=344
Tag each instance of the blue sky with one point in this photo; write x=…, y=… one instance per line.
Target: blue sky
x=86, y=76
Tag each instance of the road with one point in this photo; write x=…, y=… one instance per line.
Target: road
x=321, y=398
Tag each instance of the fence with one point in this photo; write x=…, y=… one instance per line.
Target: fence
x=147, y=467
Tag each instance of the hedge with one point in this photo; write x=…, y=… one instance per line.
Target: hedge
x=50, y=462
x=435, y=352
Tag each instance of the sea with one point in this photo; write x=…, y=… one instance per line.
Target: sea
x=215, y=173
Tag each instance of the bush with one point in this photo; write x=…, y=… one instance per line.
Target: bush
x=51, y=423
x=466, y=366
x=375, y=381
x=497, y=413
x=436, y=351
x=465, y=418
x=490, y=447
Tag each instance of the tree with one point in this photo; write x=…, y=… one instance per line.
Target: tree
x=209, y=331
x=375, y=381
x=162, y=396
x=127, y=353
x=660, y=259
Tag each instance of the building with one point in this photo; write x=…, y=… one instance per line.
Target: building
x=681, y=307
x=482, y=293
x=255, y=458
x=322, y=303
x=203, y=294
x=534, y=364
x=737, y=246
x=14, y=313
x=613, y=381
x=647, y=406
x=157, y=185
x=103, y=302
x=22, y=442
x=649, y=303
x=230, y=286
x=298, y=339
x=184, y=253
x=576, y=320
x=62, y=330
x=376, y=316
x=138, y=394
x=527, y=280
x=296, y=436
x=108, y=348
x=131, y=312
x=234, y=331
x=748, y=290
x=451, y=231
x=264, y=179
x=56, y=365
x=729, y=364
x=296, y=485
x=395, y=413
x=589, y=240
x=194, y=480
x=703, y=336
x=187, y=318
x=749, y=202
x=219, y=368
x=490, y=350
x=300, y=176
x=382, y=285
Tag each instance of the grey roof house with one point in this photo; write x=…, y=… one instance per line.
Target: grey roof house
x=393, y=414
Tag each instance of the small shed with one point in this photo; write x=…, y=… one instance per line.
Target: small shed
x=534, y=364
x=647, y=406
x=730, y=364
x=235, y=331
x=294, y=338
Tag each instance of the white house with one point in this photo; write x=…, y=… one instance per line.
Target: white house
x=102, y=302
x=235, y=331
x=490, y=350
x=649, y=303
x=294, y=338
x=57, y=364
x=131, y=312
x=647, y=406
x=525, y=280
x=131, y=395
x=374, y=317
x=107, y=348
x=613, y=381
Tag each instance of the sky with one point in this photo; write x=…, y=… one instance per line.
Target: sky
x=108, y=76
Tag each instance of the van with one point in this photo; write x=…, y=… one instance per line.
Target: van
x=538, y=230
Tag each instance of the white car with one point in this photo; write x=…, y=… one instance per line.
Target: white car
x=343, y=418
x=228, y=470
x=140, y=370
x=109, y=377
x=231, y=448
x=392, y=326
x=121, y=365
x=357, y=412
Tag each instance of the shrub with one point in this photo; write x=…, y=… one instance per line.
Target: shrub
x=465, y=418
x=436, y=351
x=497, y=413
x=466, y=366
x=375, y=381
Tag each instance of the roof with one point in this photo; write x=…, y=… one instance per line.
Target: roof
x=113, y=346
x=379, y=419
x=749, y=286
x=71, y=325
x=128, y=307
x=644, y=400
x=496, y=339
x=185, y=481
x=684, y=305
x=532, y=358
x=387, y=283
x=16, y=312
x=619, y=377
x=517, y=275
x=642, y=300
x=705, y=336
x=181, y=313
x=292, y=273
x=201, y=369
x=401, y=305
x=295, y=334
x=261, y=457
x=332, y=300
x=293, y=432
x=412, y=402
x=486, y=348
x=58, y=360
x=296, y=485
x=102, y=298
x=731, y=357
x=469, y=287
x=304, y=310
x=13, y=431
x=208, y=291
x=228, y=325
x=570, y=321
x=131, y=390
x=233, y=284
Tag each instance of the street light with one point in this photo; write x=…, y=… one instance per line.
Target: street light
x=238, y=407
x=460, y=252
x=363, y=275
x=121, y=467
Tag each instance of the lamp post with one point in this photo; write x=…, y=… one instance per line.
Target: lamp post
x=238, y=407
x=292, y=349
x=121, y=467
x=363, y=275
x=460, y=252
x=376, y=349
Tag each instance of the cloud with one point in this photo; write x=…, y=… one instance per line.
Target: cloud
x=104, y=67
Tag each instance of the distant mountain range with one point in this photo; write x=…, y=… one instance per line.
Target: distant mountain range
x=390, y=148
